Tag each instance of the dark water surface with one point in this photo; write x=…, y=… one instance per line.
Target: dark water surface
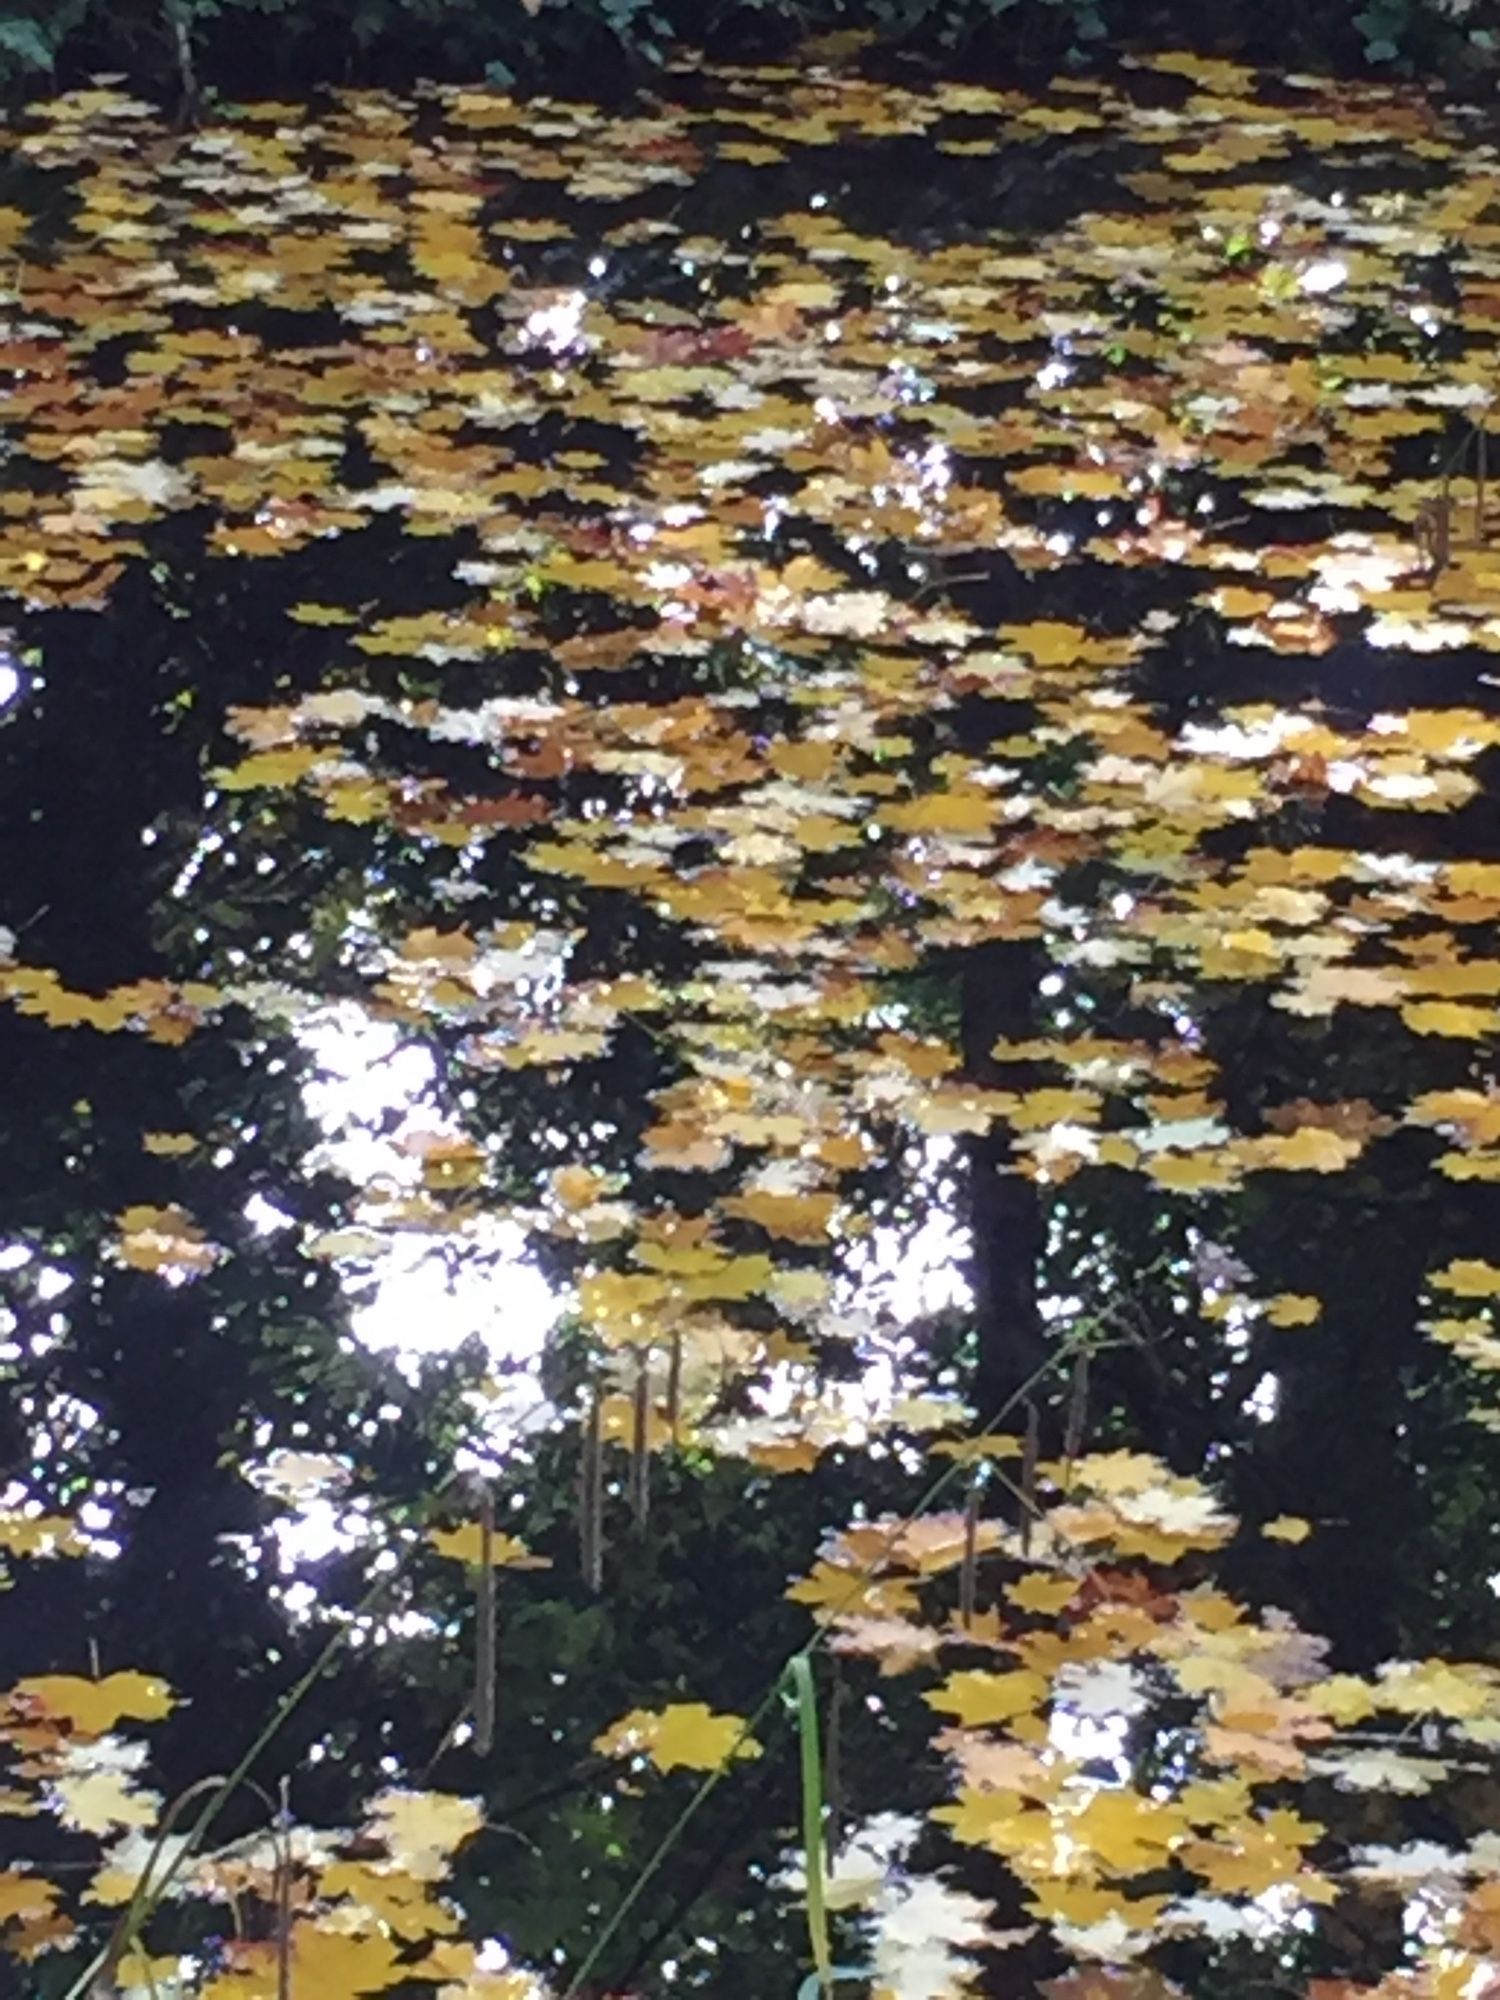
x=834, y=631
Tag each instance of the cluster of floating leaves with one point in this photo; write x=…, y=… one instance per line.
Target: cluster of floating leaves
x=1219, y=403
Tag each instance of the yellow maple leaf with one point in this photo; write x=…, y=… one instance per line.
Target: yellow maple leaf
x=579, y=1187
x=95, y=1801
x=94, y=1707
x=1043, y=1594
x=976, y=1450
x=801, y=1218
x=489, y=1985
x=1293, y=1309
x=1454, y=1688
x=1470, y=1277
x=450, y=1163
x=1234, y=600
x=1071, y=481
x=321, y=614
x=622, y=1301
x=996, y=1818
x=139, y=1973
x=968, y=811
x=1311, y=1148
x=271, y=768
x=168, y=1145
x=40, y=1535
x=785, y=1454
x=1343, y=1698
x=466, y=1544
x=163, y=1239
x=1114, y=1471
x=1052, y=644
x=1211, y=1802
x=1287, y=1528
x=345, y=1962
x=1449, y=1017
x=1039, y=1108
x=1253, y=1855
x=1081, y=1903
x=619, y=1422
x=718, y=1276
x=1124, y=1832
x=897, y=1645
x=929, y=1543
x=1191, y=1171
x=447, y=947
x=24, y=1898
x=798, y=1288
x=835, y=1589
x=359, y=801
x=422, y=1829
x=686, y=1736
x=603, y=871
x=978, y=1698
x=398, y=1899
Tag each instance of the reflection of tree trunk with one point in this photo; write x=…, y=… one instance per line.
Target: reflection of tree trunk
x=1366, y=1437
x=999, y=980
x=1342, y=1449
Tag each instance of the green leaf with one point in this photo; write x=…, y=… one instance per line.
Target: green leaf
x=27, y=43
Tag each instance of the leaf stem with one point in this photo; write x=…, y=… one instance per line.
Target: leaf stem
x=800, y=1678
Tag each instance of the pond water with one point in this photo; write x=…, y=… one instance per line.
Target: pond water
x=1065, y=470
x=805, y=640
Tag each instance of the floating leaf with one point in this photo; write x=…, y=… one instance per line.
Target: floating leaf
x=977, y=1698
x=687, y=1736
x=465, y=1544
x=93, y=1707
